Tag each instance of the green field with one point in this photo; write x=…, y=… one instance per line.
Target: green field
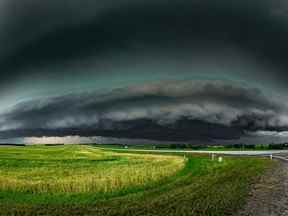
x=84, y=180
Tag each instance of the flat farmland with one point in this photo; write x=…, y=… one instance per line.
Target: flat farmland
x=84, y=180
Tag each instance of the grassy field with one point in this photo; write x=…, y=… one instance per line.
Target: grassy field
x=79, y=169
x=83, y=180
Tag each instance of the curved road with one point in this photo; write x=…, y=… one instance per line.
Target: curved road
x=277, y=153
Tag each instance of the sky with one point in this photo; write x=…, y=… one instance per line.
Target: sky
x=177, y=71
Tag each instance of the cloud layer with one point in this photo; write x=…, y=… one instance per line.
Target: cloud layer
x=46, y=34
x=206, y=107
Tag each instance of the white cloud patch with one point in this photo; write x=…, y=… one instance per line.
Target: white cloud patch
x=61, y=140
x=283, y=134
x=80, y=140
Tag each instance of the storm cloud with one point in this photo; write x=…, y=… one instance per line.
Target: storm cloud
x=36, y=37
x=188, y=108
x=143, y=69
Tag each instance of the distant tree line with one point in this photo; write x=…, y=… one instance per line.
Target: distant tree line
x=260, y=146
x=236, y=146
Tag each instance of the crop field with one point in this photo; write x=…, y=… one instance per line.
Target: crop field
x=79, y=169
x=84, y=180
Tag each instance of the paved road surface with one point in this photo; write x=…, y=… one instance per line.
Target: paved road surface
x=283, y=153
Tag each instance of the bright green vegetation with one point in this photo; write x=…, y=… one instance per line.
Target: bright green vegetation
x=83, y=180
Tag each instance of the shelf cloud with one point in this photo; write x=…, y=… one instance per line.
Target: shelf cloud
x=162, y=70
x=162, y=104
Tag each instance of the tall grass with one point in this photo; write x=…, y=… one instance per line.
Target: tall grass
x=74, y=169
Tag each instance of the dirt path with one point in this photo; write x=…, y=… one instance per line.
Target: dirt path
x=270, y=196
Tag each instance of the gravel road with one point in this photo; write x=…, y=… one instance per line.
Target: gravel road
x=270, y=196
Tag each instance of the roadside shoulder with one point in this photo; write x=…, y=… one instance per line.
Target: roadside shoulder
x=269, y=196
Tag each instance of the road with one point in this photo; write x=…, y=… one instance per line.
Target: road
x=278, y=153
x=269, y=197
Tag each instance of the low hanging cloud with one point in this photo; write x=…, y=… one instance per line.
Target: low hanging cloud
x=172, y=110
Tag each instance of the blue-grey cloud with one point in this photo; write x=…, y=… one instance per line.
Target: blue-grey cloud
x=178, y=106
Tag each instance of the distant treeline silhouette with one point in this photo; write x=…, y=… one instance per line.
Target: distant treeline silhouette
x=232, y=146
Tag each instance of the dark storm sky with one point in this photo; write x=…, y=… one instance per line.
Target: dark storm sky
x=123, y=61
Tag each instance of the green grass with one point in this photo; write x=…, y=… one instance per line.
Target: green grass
x=82, y=180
